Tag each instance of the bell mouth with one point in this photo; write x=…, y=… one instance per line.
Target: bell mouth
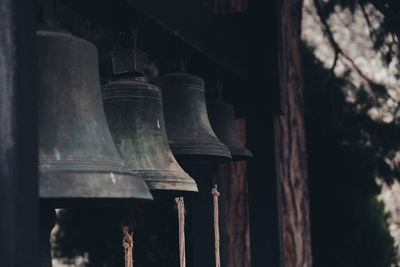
x=172, y=188
x=163, y=195
x=202, y=159
x=172, y=182
x=68, y=203
x=68, y=188
x=240, y=153
x=196, y=152
x=242, y=157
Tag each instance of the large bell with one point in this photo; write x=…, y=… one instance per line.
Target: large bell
x=134, y=112
x=189, y=132
x=222, y=119
x=78, y=158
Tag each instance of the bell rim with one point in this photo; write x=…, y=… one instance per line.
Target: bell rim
x=170, y=187
x=62, y=203
x=204, y=151
x=242, y=154
x=193, y=147
x=165, y=179
x=239, y=151
x=197, y=154
x=108, y=185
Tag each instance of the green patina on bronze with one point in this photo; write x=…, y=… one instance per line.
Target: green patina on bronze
x=222, y=119
x=78, y=158
x=189, y=132
x=134, y=113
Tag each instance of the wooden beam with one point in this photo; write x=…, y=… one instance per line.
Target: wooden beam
x=195, y=25
x=18, y=136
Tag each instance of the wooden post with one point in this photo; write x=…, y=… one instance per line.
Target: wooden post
x=47, y=223
x=263, y=199
x=264, y=101
x=19, y=229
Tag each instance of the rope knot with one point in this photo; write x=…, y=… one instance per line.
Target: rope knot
x=127, y=243
x=215, y=191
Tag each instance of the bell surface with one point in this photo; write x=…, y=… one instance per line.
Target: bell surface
x=222, y=119
x=189, y=132
x=78, y=160
x=134, y=112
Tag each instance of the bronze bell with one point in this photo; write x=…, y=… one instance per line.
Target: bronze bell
x=78, y=158
x=134, y=113
x=222, y=119
x=189, y=132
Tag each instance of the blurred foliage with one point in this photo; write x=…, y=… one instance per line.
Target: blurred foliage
x=386, y=36
x=382, y=18
x=347, y=151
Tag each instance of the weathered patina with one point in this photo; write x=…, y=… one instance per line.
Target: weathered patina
x=189, y=132
x=78, y=158
x=134, y=113
x=222, y=119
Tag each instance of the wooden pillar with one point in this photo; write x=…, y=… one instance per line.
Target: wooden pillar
x=47, y=223
x=263, y=199
x=263, y=103
x=19, y=229
x=278, y=188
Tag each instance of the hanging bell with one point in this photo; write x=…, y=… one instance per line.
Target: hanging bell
x=134, y=113
x=77, y=157
x=222, y=119
x=189, y=132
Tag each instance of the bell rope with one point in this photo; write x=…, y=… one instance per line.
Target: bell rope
x=181, y=218
x=216, y=194
x=127, y=243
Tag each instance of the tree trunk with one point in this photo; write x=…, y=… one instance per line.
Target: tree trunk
x=291, y=144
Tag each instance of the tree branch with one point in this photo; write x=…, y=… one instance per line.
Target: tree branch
x=338, y=50
x=372, y=30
